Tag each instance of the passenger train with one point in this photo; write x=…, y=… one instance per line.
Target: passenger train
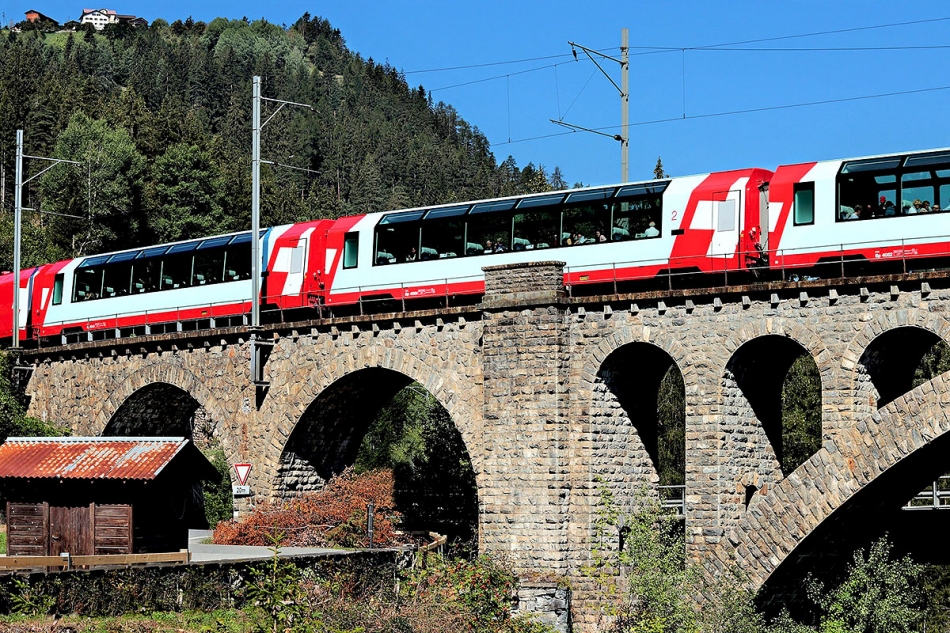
x=822, y=218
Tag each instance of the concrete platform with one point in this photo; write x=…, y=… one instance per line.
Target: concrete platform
x=207, y=553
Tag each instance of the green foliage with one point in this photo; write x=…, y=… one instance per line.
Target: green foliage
x=658, y=172
x=184, y=195
x=218, y=499
x=654, y=592
x=27, y=600
x=434, y=482
x=160, y=119
x=475, y=594
x=801, y=413
x=671, y=422
x=276, y=592
x=13, y=419
x=935, y=362
x=878, y=595
x=103, y=195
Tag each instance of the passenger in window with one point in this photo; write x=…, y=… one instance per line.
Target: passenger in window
x=599, y=237
x=925, y=206
x=411, y=256
x=913, y=209
x=890, y=210
x=489, y=246
x=882, y=206
x=651, y=230
x=499, y=248
x=936, y=208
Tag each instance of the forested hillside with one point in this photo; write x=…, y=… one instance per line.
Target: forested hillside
x=160, y=118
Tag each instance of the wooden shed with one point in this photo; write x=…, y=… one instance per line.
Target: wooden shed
x=101, y=495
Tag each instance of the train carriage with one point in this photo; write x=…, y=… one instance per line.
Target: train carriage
x=830, y=218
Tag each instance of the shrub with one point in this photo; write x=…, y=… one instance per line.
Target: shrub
x=334, y=516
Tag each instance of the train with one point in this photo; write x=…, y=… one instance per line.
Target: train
x=830, y=218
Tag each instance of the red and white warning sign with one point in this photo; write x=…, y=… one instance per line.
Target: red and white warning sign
x=242, y=471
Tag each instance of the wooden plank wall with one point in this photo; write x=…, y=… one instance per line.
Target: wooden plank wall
x=28, y=529
x=113, y=529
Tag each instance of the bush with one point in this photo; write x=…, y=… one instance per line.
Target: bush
x=334, y=516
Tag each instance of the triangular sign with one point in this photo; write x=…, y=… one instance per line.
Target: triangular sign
x=242, y=470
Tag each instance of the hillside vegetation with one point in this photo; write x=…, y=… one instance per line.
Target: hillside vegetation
x=160, y=118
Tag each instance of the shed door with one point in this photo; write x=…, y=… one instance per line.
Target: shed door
x=27, y=529
x=113, y=529
x=70, y=530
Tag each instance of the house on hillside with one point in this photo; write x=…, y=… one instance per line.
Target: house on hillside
x=35, y=16
x=101, y=495
x=101, y=18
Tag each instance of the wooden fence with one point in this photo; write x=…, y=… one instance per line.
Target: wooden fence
x=65, y=561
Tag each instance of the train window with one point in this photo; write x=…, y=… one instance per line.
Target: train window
x=87, y=283
x=237, y=260
x=916, y=187
x=488, y=233
x=442, y=237
x=177, y=271
x=536, y=229
x=209, y=267
x=351, y=249
x=582, y=224
x=397, y=242
x=632, y=219
x=117, y=279
x=146, y=275
x=804, y=210
x=58, y=289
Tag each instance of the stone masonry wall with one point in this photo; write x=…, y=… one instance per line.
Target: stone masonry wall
x=521, y=378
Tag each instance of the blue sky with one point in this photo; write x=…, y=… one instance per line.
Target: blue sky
x=507, y=103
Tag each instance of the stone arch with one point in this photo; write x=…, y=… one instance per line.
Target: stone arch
x=599, y=416
x=624, y=421
x=153, y=389
x=879, y=361
x=460, y=398
x=756, y=360
x=878, y=463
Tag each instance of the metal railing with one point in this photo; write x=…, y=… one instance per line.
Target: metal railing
x=673, y=498
x=374, y=298
x=935, y=497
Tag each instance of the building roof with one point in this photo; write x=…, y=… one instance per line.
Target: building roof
x=102, y=11
x=141, y=458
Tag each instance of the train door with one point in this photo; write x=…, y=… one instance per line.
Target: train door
x=764, y=226
x=726, y=209
x=297, y=267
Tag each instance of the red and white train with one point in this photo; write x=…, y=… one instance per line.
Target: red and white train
x=869, y=212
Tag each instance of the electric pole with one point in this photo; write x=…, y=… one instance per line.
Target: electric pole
x=623, y=89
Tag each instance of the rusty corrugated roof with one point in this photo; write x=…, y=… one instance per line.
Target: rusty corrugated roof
x=87, y=457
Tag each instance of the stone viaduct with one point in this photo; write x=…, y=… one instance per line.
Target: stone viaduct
x=548, y=392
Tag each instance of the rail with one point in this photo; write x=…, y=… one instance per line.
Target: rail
x=67, y=561
x=935, y=497
x=672, y=272
x=673, y=498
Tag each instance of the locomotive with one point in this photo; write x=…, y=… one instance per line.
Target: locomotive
x=830, y=218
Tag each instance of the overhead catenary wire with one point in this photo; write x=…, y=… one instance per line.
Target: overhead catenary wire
x=710, y=115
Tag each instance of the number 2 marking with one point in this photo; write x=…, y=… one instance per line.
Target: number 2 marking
x=674, y=215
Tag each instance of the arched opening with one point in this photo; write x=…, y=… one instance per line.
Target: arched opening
x=378, y=418
x=890, y=363
x=164, y=410
x=774, y=380
x=640, y=386
x=873, y=512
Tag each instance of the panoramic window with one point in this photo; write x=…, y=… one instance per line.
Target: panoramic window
x=397, y=238
x=489, y=230
x=893, y=186
x=443, y=233
x=536, y=229
x=640, y=216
